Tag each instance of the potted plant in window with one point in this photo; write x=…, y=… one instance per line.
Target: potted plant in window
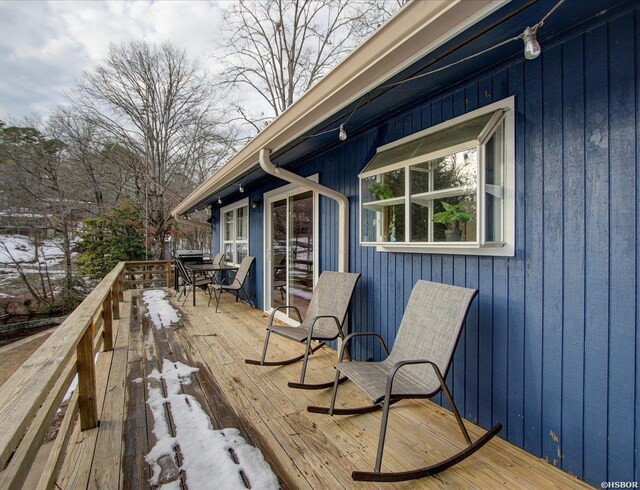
x=451, y=217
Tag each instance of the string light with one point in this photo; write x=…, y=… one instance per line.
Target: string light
x=241, y=189
x=219, y=200
x=343, y=133
x=531, y=46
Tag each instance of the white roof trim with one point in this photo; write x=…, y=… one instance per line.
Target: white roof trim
x=419, y=28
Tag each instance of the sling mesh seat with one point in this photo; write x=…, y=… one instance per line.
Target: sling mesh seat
x=415, y=368
x=323, y=322
x=233, y=284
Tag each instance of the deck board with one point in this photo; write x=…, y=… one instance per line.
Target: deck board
x=304, y=450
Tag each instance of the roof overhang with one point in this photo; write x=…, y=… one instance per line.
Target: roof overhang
x=416, y=30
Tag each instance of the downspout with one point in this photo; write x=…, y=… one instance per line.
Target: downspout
x=341, y=199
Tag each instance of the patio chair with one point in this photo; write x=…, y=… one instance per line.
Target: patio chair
x=323, y=322
x=233, y=284
x=202, y=280
x=415, y=368
x=217, y=260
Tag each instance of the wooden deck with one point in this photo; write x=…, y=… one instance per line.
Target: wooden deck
x=304, y=450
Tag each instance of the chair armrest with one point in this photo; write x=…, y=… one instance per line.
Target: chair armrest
x=283, y=307
x=361, y=334
x=316, y=318
x=232, y=279
x=399, y=365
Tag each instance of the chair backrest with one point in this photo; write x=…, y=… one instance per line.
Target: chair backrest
x=430, y=328
x=331, y=296
x=243, y=270
x=183, y=271
x=217, y=259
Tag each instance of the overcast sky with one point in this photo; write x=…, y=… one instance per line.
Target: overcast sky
x=46, y=46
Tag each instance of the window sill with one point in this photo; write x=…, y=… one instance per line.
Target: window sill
x=498, y=249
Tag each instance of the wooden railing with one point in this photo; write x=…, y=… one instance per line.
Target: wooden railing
x=148, y=273
x=30, y=398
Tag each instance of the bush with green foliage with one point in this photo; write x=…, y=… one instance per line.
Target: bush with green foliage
x=110, y=238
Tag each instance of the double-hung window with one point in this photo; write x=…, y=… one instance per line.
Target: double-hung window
x=448, y=189
x=235, y=231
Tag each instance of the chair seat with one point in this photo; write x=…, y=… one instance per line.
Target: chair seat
x=203, y=281
x=299, y=334
x=226, y=287
x=371, y=377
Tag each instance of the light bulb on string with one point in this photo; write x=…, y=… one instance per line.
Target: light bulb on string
x=343, y=133
x=241, y=189
x=531, y=46
x=219, y=200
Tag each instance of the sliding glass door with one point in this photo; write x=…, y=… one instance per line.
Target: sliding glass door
x=290, y=251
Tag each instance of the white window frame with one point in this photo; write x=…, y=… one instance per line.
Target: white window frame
x=234, y=207
x=506, y=247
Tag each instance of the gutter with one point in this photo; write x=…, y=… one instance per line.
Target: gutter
x=341, y=199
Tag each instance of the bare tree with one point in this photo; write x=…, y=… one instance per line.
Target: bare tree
x=38, y=176
x=280, y=48
x=159, y=108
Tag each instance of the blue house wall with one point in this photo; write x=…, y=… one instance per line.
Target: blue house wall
x=551, y=345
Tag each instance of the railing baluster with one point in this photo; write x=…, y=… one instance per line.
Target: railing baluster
x=87, y=396
x=121, y=286
x=107, y=317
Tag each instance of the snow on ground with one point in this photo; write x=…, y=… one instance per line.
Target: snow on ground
x=160, y=311
x=206, y=453
x=23, y=250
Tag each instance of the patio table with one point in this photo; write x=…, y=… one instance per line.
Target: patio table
x=195, y=268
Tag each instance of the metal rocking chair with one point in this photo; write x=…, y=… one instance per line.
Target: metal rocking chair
x=415, y=368
x=323, y=322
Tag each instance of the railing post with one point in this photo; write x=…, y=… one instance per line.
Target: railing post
x=107, y=316
x=87, y=397
x=169, y=274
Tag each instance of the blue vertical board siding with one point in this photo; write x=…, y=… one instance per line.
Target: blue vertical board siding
x=636, y=476
x=596, y=337
x=622, y=243
x=515, y=308
x=552, y=216
x=551, y=345
x=534, y=265
x=573, y=278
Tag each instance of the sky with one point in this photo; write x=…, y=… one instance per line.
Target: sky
x=46, y=46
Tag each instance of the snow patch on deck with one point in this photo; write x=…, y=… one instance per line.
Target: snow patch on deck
x=159, y=310
x=206, y=453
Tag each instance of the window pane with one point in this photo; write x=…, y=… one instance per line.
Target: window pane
x=383, y=223
x=242, y=250
x=242, y=223
x=384, y=186
x=420, y=222
x=456, y=170
x=301, y=251
x=451, y=179
x=456, y=231
x=494, y=186
x=228, y=226
x=451, y=136
x=228, y=252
